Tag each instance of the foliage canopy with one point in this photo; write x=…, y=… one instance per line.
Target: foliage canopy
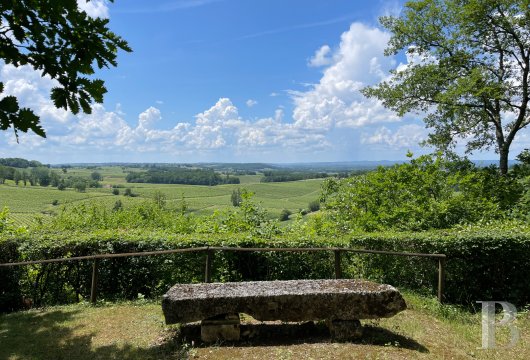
x=468, y=71
x=58, y=39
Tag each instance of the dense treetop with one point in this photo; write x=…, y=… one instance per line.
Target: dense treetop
x=180, y=176
x=19, y=163
x=468, y=71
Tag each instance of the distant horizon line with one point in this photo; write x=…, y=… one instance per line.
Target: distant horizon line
x=257, y=162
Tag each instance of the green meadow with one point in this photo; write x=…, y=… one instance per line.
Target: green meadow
x=27, y=203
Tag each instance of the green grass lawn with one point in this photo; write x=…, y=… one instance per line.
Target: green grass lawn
x=425, y=330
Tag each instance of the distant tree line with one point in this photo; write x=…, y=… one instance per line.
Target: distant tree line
x=282, y=176
x=181, y=176
x=19, y=163
x=43, y=176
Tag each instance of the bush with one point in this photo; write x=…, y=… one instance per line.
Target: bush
x=115, y=192
x=96, y=176
x=314, y=206
x=10, y=277
x=427, y=193
x=118, y=206
x=284, y=215
x=236, y=198
x=124, y=278
x=55, y=202
x=481, y=264
x=80, y=186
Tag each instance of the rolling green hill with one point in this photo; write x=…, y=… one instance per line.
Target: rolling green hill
x=27, y=202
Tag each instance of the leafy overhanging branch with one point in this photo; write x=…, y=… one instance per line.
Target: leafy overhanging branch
x=61, y=41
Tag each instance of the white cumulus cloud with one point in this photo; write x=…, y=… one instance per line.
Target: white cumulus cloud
x=321, y=111
x=321, y=57
x=336, y=100
x=251, y=102
x=406, y=136
x=94, y=8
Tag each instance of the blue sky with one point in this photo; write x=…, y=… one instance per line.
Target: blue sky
x=229, y=81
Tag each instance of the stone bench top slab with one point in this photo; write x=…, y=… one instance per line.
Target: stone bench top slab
x=292, y=300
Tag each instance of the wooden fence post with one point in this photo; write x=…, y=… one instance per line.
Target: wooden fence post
x=338, y=269
x=441, y=278
x=94, y=290
x=208, y=267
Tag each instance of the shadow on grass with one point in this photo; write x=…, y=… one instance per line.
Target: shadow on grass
x=34, y=335
x=267, y=334
x=54, y=335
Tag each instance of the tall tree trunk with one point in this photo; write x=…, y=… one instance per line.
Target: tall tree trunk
x=503, y=160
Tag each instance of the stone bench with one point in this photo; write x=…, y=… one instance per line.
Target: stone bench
x=341, y=302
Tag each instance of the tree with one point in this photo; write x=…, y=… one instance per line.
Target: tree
x=469, y=71
x=524, y=157
x=61, y=41
x=236, y=197
x=55, y=179
x=427, y=193
x=96, y=176
x=17, y=177
x=80, y=186
x=3, y=174
x=160, y=199
x=41, y=175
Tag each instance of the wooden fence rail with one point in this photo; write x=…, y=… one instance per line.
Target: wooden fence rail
x=210, y=252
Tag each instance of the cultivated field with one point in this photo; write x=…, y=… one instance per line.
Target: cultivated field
x=28, y=202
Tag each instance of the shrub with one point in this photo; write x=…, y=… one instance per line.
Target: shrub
x=10, y=277
x=427, y=193
x=485, y=263
x=115, y=191
x=117, y=206
x=80, y=186
x=96, y=176
x=160, y=199
x=284, y=215
x=236, y=198
x=314, y=206
x=55, y=202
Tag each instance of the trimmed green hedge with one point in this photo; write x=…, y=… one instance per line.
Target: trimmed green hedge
x=10, y=296
x=149, y=276
x=491, y=264
x=487, y=264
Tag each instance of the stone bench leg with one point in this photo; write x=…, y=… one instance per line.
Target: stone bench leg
x=222, y=327
x=343, y=330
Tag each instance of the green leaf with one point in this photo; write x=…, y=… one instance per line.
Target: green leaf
x=31, y=121
x=9, y=104
x=59, y=97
